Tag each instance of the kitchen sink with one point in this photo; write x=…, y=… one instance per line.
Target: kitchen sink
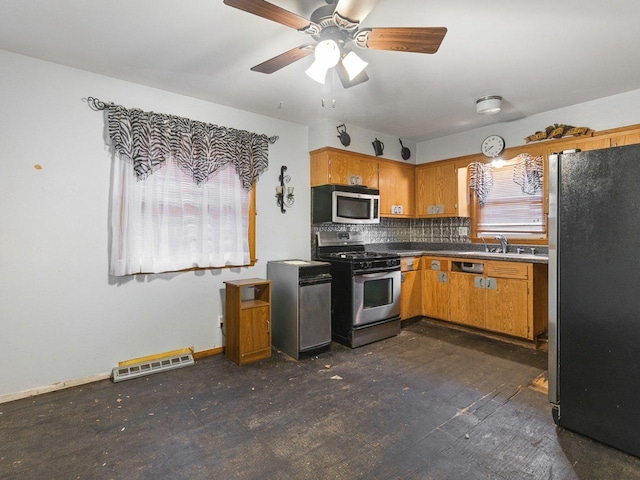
x=510, y=255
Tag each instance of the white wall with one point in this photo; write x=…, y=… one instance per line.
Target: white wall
x=602, y=114
x=61, y=316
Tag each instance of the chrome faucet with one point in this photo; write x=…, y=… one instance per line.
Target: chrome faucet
x=486, y=249
x=504, y=243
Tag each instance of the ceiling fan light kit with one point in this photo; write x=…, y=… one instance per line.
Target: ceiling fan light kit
x=353, y=64
x=489, y=105
x=317, y=72
x=335, y=27
x=327, y=53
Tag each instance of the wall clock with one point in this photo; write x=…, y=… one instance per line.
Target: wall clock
x=492, y=146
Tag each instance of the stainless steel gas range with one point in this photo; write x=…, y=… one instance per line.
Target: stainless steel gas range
x=365, y=289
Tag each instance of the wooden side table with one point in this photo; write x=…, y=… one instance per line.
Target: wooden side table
x=248, y=319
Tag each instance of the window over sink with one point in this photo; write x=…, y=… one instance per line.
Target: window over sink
x=508, y=199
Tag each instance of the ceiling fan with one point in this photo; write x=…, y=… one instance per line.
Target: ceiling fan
x=335, y=27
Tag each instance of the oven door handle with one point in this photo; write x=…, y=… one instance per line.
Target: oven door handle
x=377, y=274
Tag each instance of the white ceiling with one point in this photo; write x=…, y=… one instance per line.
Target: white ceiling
x=538, y=56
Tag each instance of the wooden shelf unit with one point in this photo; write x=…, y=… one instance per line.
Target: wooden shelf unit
x=248, y=320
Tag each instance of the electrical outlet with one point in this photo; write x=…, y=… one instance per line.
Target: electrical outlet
x=463, y=231
x=220, y=320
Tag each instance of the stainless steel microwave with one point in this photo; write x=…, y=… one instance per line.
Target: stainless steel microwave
x=345, y=204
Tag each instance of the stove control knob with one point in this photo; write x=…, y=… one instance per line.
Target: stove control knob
x=366, y=265
x=389, y=263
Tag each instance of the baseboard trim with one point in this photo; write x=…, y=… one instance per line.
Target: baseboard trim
x=32, y=392
x=208, y=353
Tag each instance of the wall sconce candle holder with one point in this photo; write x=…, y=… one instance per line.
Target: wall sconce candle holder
x=284, y=195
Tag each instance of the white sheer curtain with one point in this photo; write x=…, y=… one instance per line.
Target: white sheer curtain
x=166, y=222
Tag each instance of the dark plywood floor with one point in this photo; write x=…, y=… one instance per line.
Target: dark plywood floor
x=432, y=403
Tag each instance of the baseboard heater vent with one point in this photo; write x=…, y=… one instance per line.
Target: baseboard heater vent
x=152, y=366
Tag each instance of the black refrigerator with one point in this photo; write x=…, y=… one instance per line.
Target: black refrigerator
x=594, y=297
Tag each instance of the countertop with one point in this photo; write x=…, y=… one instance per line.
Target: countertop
x=464, y=251
x=509, y=257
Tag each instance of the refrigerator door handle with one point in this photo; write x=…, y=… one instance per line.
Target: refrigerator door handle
x=553, y=329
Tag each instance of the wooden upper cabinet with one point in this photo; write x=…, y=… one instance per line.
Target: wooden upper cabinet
x=533, y=149
x=330, y=165
x=437, y=190
x=582, y=143
x=628, y=137
x=396, y=182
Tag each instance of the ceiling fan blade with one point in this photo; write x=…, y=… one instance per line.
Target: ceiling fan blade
x=355, y=11
x=276, y=63
x=274, y=13
x=403, y=39
x=344, y=76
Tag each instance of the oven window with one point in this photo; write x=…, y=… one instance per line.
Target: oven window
x=378, y=293
x=350, y=207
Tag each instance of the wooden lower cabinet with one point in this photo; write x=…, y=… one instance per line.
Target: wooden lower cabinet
x=410, y=301
x=507, y=309
x=435, y=281
x=467, y=300
x=411, y=288
x=509, y=298
x=254, y=334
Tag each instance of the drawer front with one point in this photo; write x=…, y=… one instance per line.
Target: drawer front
x=408, y=264
x=439, y=264
x=507, y=270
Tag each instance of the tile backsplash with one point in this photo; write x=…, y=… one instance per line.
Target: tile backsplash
x=395, y=230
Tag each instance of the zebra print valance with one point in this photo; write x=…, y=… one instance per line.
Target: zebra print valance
x=480, y=180
x=528, y=173
x=149, y=139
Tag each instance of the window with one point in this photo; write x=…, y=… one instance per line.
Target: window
x=182, y=193
x=165, y=222
x=513, y=202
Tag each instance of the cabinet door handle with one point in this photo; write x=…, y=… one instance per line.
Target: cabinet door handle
x=268, y=326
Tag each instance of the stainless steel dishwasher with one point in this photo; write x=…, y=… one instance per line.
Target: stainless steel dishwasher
x=300, y=306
